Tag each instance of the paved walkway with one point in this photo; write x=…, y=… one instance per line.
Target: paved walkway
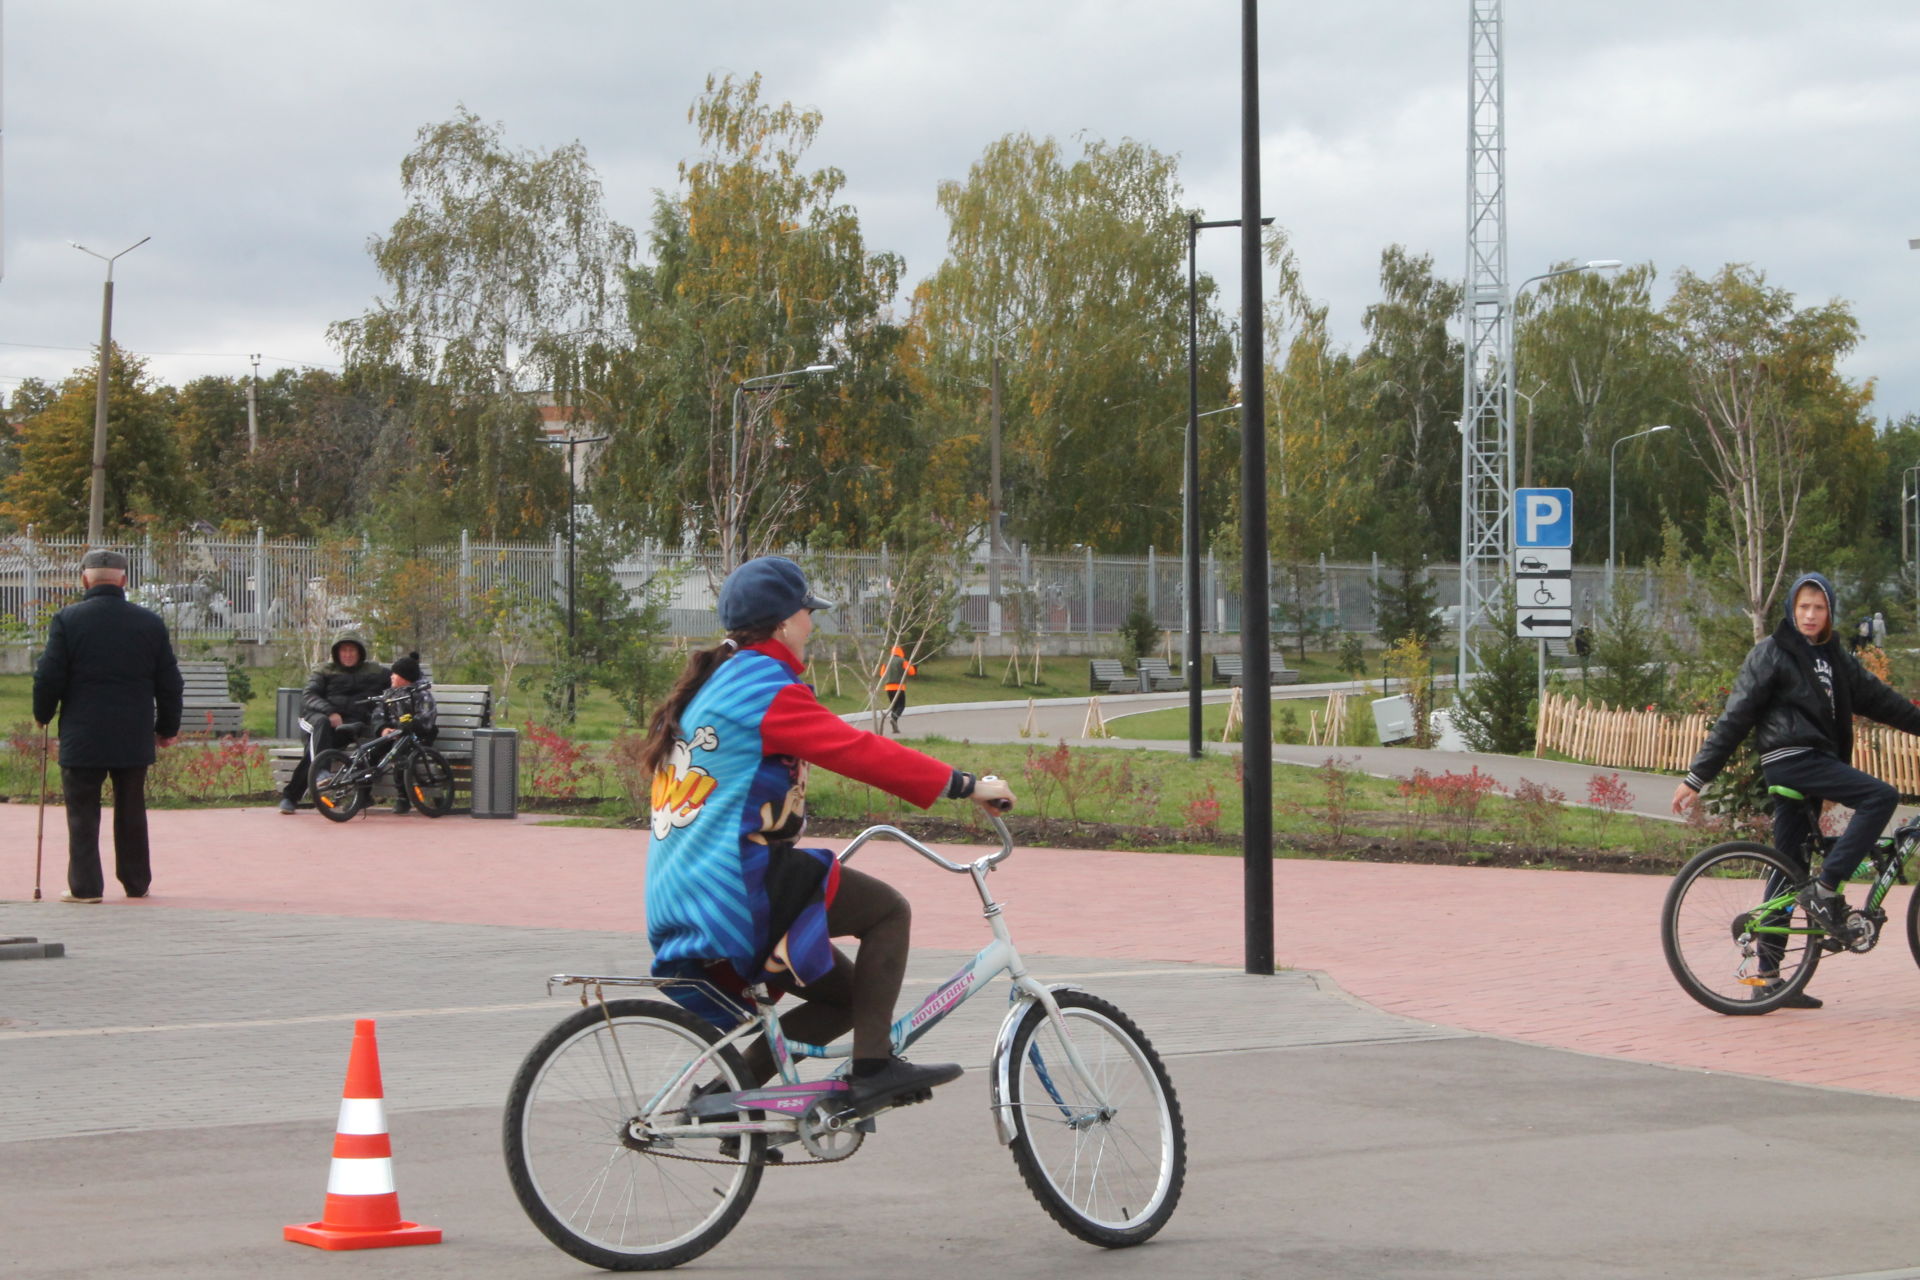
x=1063, y=720
x=1564, y=959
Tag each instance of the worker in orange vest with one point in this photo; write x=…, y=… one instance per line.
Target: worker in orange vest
x=895, y=673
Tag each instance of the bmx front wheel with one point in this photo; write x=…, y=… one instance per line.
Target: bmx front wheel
x=1105, y=1156
x=333, y=794
x=1722, y=949
x=429, y=782
x=581, y=1152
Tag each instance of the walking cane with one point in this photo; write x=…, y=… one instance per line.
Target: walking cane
x=40, y=828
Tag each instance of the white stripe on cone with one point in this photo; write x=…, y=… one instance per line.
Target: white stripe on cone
x=362, y=1115
x=360, y=1177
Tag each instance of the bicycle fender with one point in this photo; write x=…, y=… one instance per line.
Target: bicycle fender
x=1001, y=1074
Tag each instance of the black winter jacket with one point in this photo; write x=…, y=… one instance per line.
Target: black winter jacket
x=1779, y=698
x=343, y=691
x=110, y=673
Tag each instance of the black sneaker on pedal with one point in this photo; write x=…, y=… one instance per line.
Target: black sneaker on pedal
x=1825, y=908
x=899, y=1083
x=711, y=1101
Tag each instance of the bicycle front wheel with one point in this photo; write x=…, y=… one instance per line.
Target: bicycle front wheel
x=582, y=1158
x=333, y=794
x=429, y=782
x=1710, y=926
x=1109, y=1172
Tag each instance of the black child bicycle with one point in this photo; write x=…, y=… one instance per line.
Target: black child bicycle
x=343, y=780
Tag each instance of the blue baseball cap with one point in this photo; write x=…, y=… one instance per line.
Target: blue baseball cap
x=764, y=591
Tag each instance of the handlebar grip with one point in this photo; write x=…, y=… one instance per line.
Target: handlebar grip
x=998, y=806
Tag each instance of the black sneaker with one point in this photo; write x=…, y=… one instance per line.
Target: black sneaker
x=899, y=1083
x=708, y=1103
x=1825, y=908
x=1798, y=1000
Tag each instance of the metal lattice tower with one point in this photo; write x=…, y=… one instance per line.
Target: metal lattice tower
x=1486, y=423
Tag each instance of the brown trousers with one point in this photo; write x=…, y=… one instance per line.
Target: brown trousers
x=857, y=993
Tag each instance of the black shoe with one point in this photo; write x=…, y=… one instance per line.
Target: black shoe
x=899, y=1083
x=1798, y=1000
x=288, y=806
x=706, y=1102
x=401, y=806
x=1825, y=908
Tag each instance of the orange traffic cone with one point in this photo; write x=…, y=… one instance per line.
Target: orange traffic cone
x=363, y=1209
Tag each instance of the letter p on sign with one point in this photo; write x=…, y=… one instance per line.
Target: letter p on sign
x=1543, y=518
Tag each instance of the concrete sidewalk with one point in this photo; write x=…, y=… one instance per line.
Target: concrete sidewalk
x=1651, y=794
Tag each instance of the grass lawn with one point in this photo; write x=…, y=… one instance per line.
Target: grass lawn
x=1290, y=719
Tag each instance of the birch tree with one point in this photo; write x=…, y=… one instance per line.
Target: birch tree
x=1763, y=394
x=504, y=277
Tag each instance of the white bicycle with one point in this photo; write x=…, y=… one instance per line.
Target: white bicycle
x=634, y=1142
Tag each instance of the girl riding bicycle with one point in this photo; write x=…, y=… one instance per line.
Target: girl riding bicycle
x=730, y=898
x=1798, y=692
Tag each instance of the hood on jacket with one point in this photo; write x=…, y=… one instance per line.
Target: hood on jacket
x=334, y=653
x=1826, y=588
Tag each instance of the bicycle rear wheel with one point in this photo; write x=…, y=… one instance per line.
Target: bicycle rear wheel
x=578, y=1149
x=429, y=781
x=1706, y=929
x=1110, y=1175
x=333, y=794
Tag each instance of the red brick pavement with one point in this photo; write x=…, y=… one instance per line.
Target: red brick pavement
x=1567, y=959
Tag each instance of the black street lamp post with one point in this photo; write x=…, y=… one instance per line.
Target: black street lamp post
x=1191, y=486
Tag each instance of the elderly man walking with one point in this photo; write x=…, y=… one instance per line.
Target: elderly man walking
x=110, y=674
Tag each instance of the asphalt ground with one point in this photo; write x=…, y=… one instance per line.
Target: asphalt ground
x=172, y=1089
x=172, y=1083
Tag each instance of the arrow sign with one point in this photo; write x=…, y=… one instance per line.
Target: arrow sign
x=1544, y=624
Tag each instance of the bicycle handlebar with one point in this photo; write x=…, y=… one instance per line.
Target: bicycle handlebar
x=991, y=860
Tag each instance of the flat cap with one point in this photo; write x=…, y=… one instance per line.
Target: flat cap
x=100, y=558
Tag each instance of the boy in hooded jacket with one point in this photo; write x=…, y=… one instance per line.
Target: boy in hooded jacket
x=1797, y=693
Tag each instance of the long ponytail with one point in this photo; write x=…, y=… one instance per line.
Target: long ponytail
x=665, y=725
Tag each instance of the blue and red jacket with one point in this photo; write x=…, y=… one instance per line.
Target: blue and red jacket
x=724, y=882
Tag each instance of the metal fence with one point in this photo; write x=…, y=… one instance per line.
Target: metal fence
x=264, y=590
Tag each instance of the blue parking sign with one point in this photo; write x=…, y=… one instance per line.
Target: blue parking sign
x=1543, y=517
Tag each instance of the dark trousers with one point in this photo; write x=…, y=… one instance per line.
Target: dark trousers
x=1817, y=775
x=896, y=705
x=857, y=994
x=321, y=735
x=131, y=863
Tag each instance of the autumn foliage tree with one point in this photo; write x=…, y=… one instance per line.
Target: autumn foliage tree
x=50, y=487
x=758, y=267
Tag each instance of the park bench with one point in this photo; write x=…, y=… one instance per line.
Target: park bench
x=1157, y=674
x=1108, y=675
x=1230, y=669
x=206, y=706
x=463, y=708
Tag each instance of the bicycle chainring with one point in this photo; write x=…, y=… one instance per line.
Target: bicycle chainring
x=1863, y=930
x=826, y=1137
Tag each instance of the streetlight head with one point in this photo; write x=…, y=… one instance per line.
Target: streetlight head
x=820, y=368
x=1604, y=264
x=1665, y=426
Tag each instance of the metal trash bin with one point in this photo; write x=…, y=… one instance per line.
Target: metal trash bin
x=496, y=773
x=286, y=713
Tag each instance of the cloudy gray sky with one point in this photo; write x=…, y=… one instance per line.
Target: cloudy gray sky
x=259, y=143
